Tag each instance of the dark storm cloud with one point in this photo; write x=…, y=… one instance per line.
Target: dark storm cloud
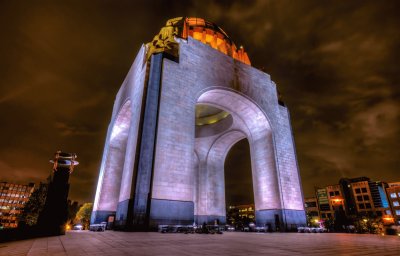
x=335, y=62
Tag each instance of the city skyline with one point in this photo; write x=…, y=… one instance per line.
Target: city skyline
x=334, y=63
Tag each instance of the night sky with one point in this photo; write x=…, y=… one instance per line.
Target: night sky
x=336, y=64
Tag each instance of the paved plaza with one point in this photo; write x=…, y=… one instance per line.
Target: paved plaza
x=235, y=243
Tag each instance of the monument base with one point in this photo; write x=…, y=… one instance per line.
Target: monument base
x=280, y=219
x=210, y=219
x=171, y=212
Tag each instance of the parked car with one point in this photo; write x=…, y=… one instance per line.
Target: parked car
x=185, y=229
x=78, y=227
x=310, y=230
x=230, y=228
x=259, y=229
x=98, y=227
x=167, y=229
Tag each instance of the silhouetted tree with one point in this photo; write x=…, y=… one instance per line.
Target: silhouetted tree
x=73, y=208
x=368, y=225
x=34, y=206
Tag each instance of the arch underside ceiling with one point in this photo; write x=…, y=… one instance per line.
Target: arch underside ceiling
x=114, y=160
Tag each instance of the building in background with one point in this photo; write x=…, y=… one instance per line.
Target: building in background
x=323, y=203
x=349, y=195
x=357, y=198
x=312, y=211
x=331, y=201
x=13, y=198
x=379, y=198
x=240, y=215
x=393, y=192
x=246, y=211
x=364, y=197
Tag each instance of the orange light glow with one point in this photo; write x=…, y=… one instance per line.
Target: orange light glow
x=388, y=219
x=337, y=200
x=210, y=34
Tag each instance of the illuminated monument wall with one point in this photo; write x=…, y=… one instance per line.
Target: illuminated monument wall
x=189, y=96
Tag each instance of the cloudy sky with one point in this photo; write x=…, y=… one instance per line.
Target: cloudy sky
x=335, y=62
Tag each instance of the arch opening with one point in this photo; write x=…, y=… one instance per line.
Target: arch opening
x=244, y=120
x=239, y=195
x=106, y=200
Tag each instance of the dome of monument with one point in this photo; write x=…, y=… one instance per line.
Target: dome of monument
x=212, y=35
x=199, y=29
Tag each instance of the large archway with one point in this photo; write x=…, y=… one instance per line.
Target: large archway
x=212, y=143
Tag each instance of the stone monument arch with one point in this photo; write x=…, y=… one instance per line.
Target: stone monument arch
x=189, y=96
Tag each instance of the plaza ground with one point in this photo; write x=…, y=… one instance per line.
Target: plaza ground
x=230, y=243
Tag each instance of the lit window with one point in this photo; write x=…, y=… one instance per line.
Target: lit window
x=398, y=194
x=397, y=212
x=395, y=203
x=388, y=212
x=393, y=195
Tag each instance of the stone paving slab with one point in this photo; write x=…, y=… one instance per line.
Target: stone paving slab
x=77, y=243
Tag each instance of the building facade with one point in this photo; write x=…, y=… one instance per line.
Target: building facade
x=13, y=198
x=393, y=192
x=190, y=95
x=359, y=197
x=312, y=210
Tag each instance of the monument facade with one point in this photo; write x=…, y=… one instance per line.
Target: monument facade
x=189, y=96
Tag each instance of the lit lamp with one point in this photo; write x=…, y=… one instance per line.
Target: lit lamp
x=388, y=219
x=337, y=200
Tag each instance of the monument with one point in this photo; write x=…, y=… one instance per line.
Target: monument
x=189, y=96
x=53, y=218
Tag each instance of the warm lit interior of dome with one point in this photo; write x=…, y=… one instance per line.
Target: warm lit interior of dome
x=212, y=35
x=199, y=29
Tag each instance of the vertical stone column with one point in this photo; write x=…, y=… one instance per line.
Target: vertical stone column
x=141, y=207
